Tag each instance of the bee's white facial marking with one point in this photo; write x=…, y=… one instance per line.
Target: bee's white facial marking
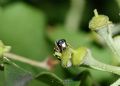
x=64, y=45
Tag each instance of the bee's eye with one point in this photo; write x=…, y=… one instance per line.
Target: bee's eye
x=61, y=44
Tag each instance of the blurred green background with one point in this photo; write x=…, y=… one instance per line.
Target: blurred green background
x=32, y=26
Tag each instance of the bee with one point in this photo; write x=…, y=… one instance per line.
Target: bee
x=67, y=55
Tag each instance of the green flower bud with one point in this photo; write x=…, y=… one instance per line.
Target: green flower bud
x=98, y=21
x=79, y=56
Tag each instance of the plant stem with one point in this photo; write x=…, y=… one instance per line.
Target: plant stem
x=118, y=2
x=116, y=29
x=116, y=83
x=93, y=63
x=26, y=60
x=106, y=34
x=74, y=15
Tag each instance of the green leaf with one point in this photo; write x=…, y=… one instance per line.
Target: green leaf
x=16, y=76
x=35, y=82
x=71, y=83
x=50, y=78
x=22, y=27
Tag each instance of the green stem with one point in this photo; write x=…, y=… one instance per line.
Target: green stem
x=74, y=15
x=106, y=34
x=93, y=63
x=116, y=83
x=116, y=29
x=118, y=2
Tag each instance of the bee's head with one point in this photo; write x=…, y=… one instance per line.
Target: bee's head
x=60, y=46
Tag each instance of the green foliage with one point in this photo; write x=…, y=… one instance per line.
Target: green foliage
x=50, y=79
x=15, y=76
x=31, y=27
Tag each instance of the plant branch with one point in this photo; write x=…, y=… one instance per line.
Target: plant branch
x=109, y=40
x=26, y=60
x=116, y=83
x=116, y=29
x=93, y=63
x=74, y=15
